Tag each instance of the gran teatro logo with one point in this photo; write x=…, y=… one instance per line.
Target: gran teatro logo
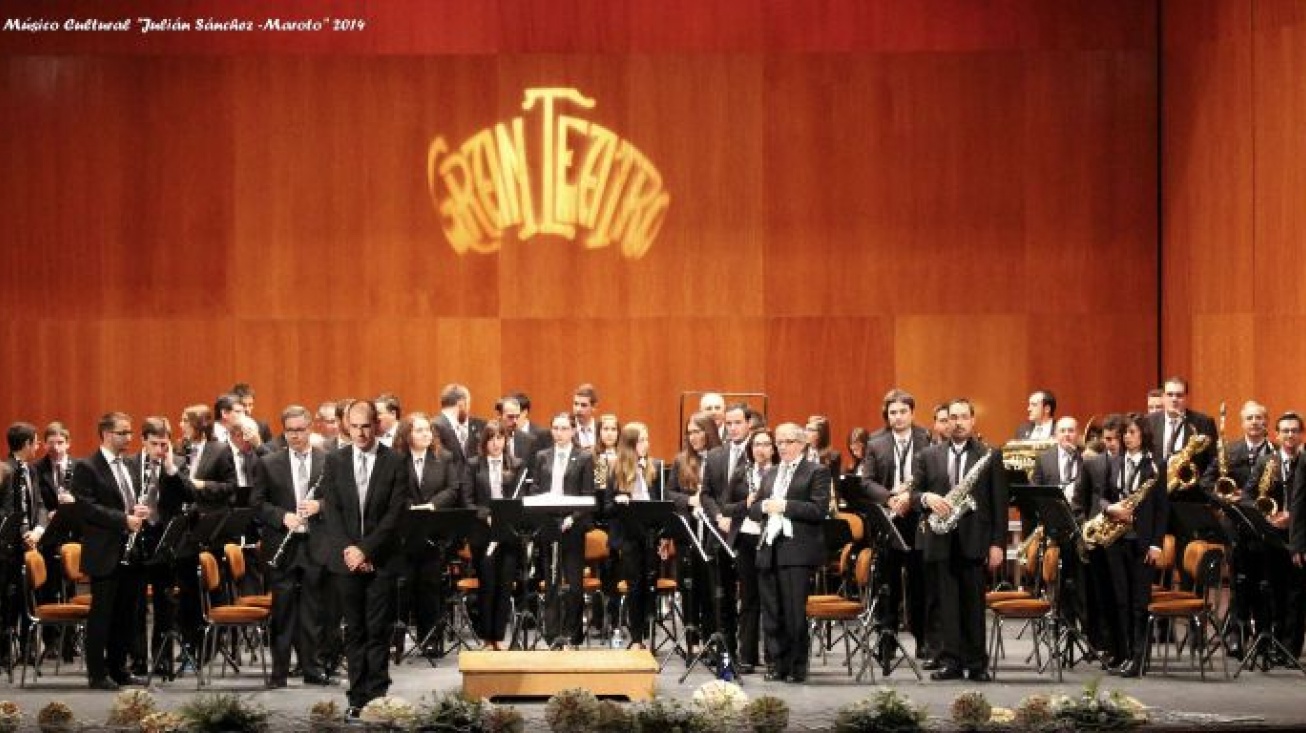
x=575, y=179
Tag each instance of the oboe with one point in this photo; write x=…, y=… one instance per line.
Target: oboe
x=275, y=562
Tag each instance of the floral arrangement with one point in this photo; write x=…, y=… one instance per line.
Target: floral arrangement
x=325, y=715
x=971, y=709
x=720, y=698
x=613, y=718
x=11, y=716
x=574, y=710
x=767, y=714
x=1094, y=710
x=884, y=710
x=660, y=715
x=55, y=717
x=223, y=713
x=390, y=711
x=450, y=710
x=502, y=719
x=162, y=722
x=130, y=707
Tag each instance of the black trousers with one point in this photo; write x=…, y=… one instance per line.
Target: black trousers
x=496, y=573
x=783, y=591
x=564, y=614
x=296, y=621
x=111, y=627
x=750, y=599
x=424, y=588
x=960, y=584
x=904, y=578
x=1292, y=608
x=636, y=564
x=367, y=601
x=728, y=589
x=1131, y=591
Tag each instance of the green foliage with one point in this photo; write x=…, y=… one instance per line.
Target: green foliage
x=767, y=714
x=884, y=710
x=55, y=717
x=971, y=709
x=223, y=713
x=574, y=710
x=451, y=711
x=667, y=716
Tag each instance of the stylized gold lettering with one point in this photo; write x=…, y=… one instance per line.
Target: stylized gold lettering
x=482, y=156
x=564, y=202
x=549, y=224
x=593, y=177
x=459, y=227
x=516, y=177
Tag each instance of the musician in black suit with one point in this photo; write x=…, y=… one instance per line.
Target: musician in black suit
x=209, y=463
x=744, y=536
x=54, y=474
x=164, y=490
x=564, y=469
x=885, y=473
x=364, y=494
x=1131, y=561
x=1042, y=412
x=452, y=424
x=958, y=558
x=725, y=479
x=326, y=424
x=635, y=477
x=1284, y=582
x=1296, y=501
x=286, y=498
x=1086, y=504
x=685, y=487
x=527, y=438
x=432, y=476
x=790, y=505
x=108, y=498
x=493, y=475
x=22, y=502
x=1061, y=466
x=1172, y=428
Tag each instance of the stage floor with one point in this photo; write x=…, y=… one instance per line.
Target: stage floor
x=1257, y=698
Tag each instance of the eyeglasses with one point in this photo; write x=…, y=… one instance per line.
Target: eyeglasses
x=786, y=441
x=511, y=416
x=296, y=430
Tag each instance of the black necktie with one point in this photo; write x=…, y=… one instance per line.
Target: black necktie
x=1131, y=472
x=957, y=455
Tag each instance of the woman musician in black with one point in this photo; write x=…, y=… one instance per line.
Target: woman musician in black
x=634, y=477
x=494, y=475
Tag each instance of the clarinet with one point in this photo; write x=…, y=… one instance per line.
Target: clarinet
x=275, y=562
x=129, y=548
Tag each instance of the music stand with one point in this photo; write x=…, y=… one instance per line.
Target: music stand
x=444, y=530
x=509, y=523
x=725, y=668
x=551, y=510
x=849, y=484
x=174, y=533
x=1265, y=641
x=67, y=519
x=884, y=536
x=651, y=520
x=836, y=533
x=1062, y=529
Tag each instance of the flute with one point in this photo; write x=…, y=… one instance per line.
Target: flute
x=275, y=562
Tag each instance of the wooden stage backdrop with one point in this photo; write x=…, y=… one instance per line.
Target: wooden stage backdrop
x=951, y=196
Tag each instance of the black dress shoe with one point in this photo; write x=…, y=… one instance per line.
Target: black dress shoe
x=1130, y=669
x=930, y=665
x=775, y=674
x=353, y=712
x=103, y=683
x=128, y=680
x=276, y=683
x=796, y=678
x=943, y=674
x=979, y=675
x=318, y=679
x=746, y=668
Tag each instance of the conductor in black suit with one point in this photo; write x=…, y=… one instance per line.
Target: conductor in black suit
x=790, y=506
x=958, y=559
x=565, y=470
x=110, y=510
x=363, y=498
x=286, y=499
x=432, y=476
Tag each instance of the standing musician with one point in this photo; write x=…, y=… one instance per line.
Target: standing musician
x=111, y=512
x=1248, y=559
x=885, y=474
x=634, y=477
x=1060, y=466
x=1090, y=488
x=744, y=536
x=820, y=444
x=432, y=476
x=1286, y=580
x=494, y=475
x=1296, y=500
x=1132, y=560
x=1172, y=427
x=790, y=506
x=958, y=558
x=286, y=498
x=566, y=470
x=22, y=502
x=1042, y=412
x=54, y=473
x=685, y=487
x=725, y=480
x=164, y=490
x=362, y=501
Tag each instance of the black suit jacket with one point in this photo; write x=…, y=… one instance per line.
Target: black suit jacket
x=729, y=492
x=449, y=437
x=274, y=497
x=1027, y=427
x=43, y=472
x=217, y=468
x=1152, y=516
x=476, y=491
x=619, y=535
x=578, y=480
x=680, y=494
x=377, y=534
x=103, y=512
x=1193, y=421
x=1090, y=489
x=442, y=479
x=1297, y=509
x=877, y=472
x=807, y=503
x=981, y=529
x=1241, y=464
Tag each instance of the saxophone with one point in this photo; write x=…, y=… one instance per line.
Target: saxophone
x=1180, y=471
x=1264, y=502
x=1226, y=489
x=960, y=498
x=1101, y=531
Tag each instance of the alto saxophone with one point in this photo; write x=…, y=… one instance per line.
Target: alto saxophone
x=1264, y=503
x=1102, y=531
x=1226, y=489
x=960, y=498
x=1180, y=471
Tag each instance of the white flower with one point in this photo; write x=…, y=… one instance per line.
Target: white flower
x=389, y=710
x=720, y=697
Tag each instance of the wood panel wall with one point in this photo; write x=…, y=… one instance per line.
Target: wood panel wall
x=1234, y=111
x=949, y=196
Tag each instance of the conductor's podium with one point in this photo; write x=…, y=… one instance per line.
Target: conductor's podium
x=630, y=673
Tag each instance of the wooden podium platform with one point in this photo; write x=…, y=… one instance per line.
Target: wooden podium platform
x=630, y=673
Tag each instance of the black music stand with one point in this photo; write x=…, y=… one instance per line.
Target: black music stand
x=725, y=667
x=1265, y=643
x=174, y=533
x=67, y=520
x=545, y=517
x=836, y=533
x=849, y=484
x=652, y=520
x=1062, y=529
x=884, y=536
x=443, y=530
x=510, y=524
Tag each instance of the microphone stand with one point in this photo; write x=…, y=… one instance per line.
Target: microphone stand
x=725, y=668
